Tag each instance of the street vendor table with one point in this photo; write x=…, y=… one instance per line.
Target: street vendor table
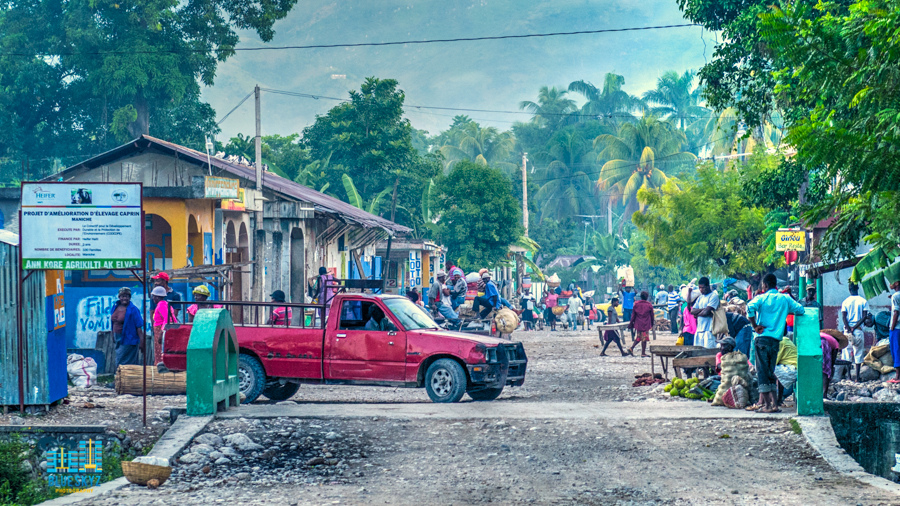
x=618, y=328
x=664, y=352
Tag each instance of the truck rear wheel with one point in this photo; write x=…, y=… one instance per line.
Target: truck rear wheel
x=485, y=394
x=281, y=392
x=445, y=381
x=251, y=377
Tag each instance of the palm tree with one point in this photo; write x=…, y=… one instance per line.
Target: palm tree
x=566, y=188
x=630, y=157
x=608, y=102
x=676, y=98
x=485, y=145
x=553, y=108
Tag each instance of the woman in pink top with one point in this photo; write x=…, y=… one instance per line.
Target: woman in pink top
x=161, y=315
x=689, y=327
x=552, y=301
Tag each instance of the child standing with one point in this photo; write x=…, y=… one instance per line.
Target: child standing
x=612, y=317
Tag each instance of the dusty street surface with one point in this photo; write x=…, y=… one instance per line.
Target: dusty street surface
x=566, y=437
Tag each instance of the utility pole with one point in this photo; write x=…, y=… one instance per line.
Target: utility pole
x=259, y=242
x=387, y=256
x=525, y=191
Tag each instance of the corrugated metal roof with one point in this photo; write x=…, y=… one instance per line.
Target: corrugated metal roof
x=286, y=187
x=9, y=237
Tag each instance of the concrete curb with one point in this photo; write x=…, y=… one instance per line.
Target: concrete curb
x=820, y=435
x=169, y=444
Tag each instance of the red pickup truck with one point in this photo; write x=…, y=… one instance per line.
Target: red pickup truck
x=380, y=340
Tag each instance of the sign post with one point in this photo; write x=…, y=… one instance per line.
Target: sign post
x=81, y=226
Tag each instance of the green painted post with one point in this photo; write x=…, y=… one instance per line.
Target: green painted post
x=212, y=364
x=802, y=288
x=809, y=363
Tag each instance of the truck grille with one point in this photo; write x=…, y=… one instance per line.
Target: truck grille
x=518, y=362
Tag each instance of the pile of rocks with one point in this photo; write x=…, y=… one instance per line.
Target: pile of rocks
x=868, y=391
x=294, y=451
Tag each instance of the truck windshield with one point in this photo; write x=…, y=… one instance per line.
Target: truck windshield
x=411, y=316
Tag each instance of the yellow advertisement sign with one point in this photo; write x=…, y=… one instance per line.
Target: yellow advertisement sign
x=238, y=204
x=790, y=240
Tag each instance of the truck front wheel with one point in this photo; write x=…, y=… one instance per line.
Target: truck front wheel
x=445, y=381
x=485, y=394
x=251, y=377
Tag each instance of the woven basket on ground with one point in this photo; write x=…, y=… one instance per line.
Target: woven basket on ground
x=140, y=473
x=129, y=380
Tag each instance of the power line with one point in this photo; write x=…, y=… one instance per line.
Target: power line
x=234, y=109
x=465, y=109
x=363, y=44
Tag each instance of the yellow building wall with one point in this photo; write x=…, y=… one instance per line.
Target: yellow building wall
x=177, y=213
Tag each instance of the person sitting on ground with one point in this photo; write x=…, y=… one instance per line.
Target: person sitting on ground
x=726, y=345
x=786, y=369
x=280, y=315
x=610, y=336
x=201, y=295
x=642, y=319
x=377, y=321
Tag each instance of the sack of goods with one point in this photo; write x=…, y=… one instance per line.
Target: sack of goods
x=735, y=372
x=506, y=321
x=82, y=370
x=558, y=310
x=553, y=281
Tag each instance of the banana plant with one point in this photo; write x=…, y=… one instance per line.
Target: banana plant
x=356, y=199
x=872, y=269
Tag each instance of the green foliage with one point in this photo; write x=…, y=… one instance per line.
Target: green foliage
x=704, y=226
x=771, y=181
x=17, y=485
x=77, y=77
x=648, y=273
x=556, y=237
x=368, y=140
x=479, y=217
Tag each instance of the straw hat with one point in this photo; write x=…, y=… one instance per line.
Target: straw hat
x=838, y=336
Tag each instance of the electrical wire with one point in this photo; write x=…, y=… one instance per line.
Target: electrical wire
x=363, y=44
x=234, y=109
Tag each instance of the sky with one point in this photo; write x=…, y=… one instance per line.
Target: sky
x=494, y=75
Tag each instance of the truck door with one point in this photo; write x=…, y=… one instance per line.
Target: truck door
x=366, y=345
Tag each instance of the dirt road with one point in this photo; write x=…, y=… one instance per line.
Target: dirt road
x=564, y=438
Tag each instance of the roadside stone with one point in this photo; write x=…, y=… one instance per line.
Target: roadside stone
x=243, y=442
x=222, y=460
x=229, y=451
x=192, y=458
x=210, y=439
x=203, y=449
x=286, y=403
x=216, y=455
x=315, y=461
x=332, y=435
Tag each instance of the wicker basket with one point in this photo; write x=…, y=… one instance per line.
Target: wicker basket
x=140, y=473
x=558, y=310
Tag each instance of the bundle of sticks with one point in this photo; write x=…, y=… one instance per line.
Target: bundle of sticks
x=130, y=379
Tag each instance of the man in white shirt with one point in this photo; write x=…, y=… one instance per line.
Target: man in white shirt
x=703, y=309
x=662, y=296
x=853, y=312
x=895, y=332
x=574, y=309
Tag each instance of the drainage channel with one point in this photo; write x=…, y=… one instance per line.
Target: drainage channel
x=870, y=433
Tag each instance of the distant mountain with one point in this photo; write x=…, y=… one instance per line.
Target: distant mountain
x=478, y=75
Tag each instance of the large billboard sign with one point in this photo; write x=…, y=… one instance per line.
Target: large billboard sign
x=81, y=226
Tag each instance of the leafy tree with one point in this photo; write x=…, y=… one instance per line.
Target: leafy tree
x=836, y=68
x=704, y=226
x=368, y=139
x=649, y=273
x=485, y=145
x=82, y=75
x=479, y=217
x=554, y=236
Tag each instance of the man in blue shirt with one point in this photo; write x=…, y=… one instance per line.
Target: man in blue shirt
x=491, y=298
x=628, y=294
x=768, y=316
